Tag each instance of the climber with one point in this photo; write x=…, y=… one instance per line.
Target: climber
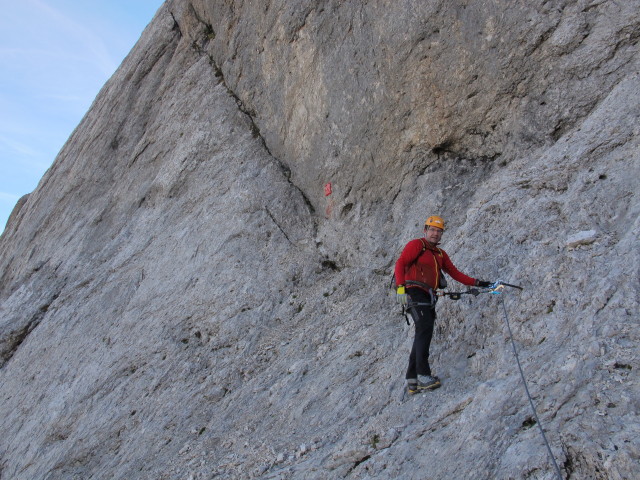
x=418, y=274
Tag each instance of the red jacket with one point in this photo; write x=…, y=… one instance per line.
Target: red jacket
x=422, y=262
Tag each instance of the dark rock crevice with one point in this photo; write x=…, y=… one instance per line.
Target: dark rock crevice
x=16, y=337
x=200, y=47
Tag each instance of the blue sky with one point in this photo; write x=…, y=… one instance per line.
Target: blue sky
x=55, y=55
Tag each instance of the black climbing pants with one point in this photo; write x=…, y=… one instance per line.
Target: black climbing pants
x=424, y=317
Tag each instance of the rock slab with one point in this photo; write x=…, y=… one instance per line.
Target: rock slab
x=179, y=298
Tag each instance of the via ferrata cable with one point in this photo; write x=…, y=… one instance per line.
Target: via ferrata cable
x=497, y=290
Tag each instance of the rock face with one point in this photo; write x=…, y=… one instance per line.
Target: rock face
x=180, y=300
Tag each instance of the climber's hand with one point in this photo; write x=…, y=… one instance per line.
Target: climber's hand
x=401, y=295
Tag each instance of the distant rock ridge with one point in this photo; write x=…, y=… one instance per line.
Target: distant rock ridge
x=180, y=298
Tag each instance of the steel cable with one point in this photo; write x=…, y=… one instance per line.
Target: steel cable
x=526, y=388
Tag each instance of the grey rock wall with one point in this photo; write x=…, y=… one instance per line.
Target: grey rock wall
x=180, y=300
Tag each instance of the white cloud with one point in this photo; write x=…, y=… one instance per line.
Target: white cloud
x=52, y=38
x=17, y=147
x=65, y=98
x=55, y=55
x=9, y=198
x=64, y=29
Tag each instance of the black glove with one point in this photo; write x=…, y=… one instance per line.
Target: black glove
x=483, y=283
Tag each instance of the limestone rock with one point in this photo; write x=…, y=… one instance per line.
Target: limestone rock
x=584, y=237
x=179, y=299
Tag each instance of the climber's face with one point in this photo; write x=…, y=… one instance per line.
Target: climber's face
x=433, y=235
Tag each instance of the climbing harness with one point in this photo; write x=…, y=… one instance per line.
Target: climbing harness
x=411, y=305
x=458, y=295
x=495, y=288
x=499, y=285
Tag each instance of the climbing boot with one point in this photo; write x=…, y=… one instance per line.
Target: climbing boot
x=427, y=382
x=412, y=385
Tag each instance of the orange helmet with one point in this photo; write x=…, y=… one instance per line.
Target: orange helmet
x=434, y=221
